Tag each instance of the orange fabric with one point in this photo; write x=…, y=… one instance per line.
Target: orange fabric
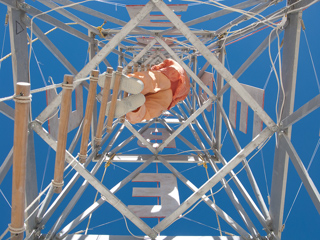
x=164, y=86
x=157, y=93
x=180, y=84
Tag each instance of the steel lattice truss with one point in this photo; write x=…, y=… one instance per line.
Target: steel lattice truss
x=144, y=41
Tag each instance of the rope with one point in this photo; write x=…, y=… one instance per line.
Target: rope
x=5, y=198
x=271, y=70
x=38, y=64
x=57, y=184
x=230, y=234
x=314, y=69
x=81, y=231
x=4, y=40
x=93, y=79
x=45, y=168
x=6, y=98
x=22, y=99
x=189, y=169
x=125, y=220
x=16, y=230
x=121, y=168
x=67, y=86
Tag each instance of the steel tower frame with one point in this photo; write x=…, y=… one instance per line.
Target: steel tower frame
x=189, y=114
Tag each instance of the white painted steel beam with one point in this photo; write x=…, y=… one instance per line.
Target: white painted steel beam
x=129, y=139
x=303, y=111
x=260, y=139
x=248, y=30
x=110, y=198
x=217, y=14
x=291, y=42
x=232, y=196
x=259, y=50
x=206, y=199
x=53, y=21
x=7, y=110
x=100, y=15
x=53, y=49
x=251, y=178
x=109, y=237
x=69, y=15
x=31, y=183
x=143, y=158
x=69, y=185
x=19, y=46
x=97, y=59
x=73, y=202
x=185, y=141
x=302, y=171
x=141, y=54
x=245, y=194
x=245, y=17
x=6, y=165
x=184, y=125
x=210, y=57
x=140, y=137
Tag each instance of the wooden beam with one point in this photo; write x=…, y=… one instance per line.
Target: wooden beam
x=22, y=107
x=103, y=107
x=67, y=87
x=88, y=116
x=114, y=98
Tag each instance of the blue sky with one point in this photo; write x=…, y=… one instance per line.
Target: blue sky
x=303, y=221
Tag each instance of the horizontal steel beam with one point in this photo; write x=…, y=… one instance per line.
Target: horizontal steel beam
x=144, y=157
x=109, y=237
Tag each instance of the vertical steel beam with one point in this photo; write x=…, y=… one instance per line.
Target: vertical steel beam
x=31, y=183
x=220, y=81
x=19, y=46
x=286, y=103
